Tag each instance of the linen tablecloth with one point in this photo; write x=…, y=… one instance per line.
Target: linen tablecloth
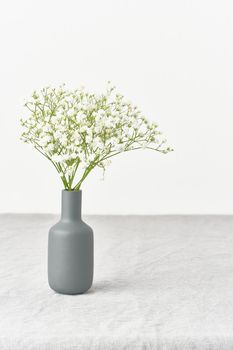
x=160, y=282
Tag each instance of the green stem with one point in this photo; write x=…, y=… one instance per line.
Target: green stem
x=57, y=167
x=86, y=172
x=73, y=176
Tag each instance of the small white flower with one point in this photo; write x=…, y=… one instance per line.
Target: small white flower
x=83, y=128
x=73, y=156
x=57, y=158
x=80, y=115
x=131, y=131
x=125, y=129
x=50, y=147
x=61, y=128
x=99, y=145
x=101, y=113
x=44, y=141
x=48, y=128
x=76, y=134
x=97, y=129
x=57, y=134
x=70, y=112
x=88, y=139
x=54, y=119
x=63, y=140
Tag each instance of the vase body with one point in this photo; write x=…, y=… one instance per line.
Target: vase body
x=70, y=249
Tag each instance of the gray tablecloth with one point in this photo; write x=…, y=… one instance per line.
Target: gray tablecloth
x=162, y=282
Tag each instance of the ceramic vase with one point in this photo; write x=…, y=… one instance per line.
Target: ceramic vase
x=70, y=248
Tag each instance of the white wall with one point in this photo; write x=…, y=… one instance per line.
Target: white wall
x=174, y=59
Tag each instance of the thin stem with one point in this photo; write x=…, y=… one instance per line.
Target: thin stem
x=73, y=176
x=86, y=172
x=57, y=166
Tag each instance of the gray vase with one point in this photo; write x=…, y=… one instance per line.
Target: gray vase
x=70, y=249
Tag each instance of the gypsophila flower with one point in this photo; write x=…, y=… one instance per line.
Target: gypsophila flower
x=77, y=130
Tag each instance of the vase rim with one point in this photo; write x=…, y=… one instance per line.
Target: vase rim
x=73, y=191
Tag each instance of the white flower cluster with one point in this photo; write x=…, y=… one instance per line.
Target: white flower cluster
x=77, y=130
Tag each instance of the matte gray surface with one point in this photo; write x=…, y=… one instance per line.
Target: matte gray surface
x=161, y=282
x=70, y=248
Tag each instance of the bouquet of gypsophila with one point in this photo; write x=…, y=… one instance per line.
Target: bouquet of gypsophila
x=77, y=130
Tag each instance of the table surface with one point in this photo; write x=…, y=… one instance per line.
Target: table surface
x=161, y=282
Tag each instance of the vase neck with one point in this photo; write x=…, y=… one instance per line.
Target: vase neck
x=71, y=205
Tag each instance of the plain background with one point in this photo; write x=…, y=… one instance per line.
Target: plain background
x=174, y=59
